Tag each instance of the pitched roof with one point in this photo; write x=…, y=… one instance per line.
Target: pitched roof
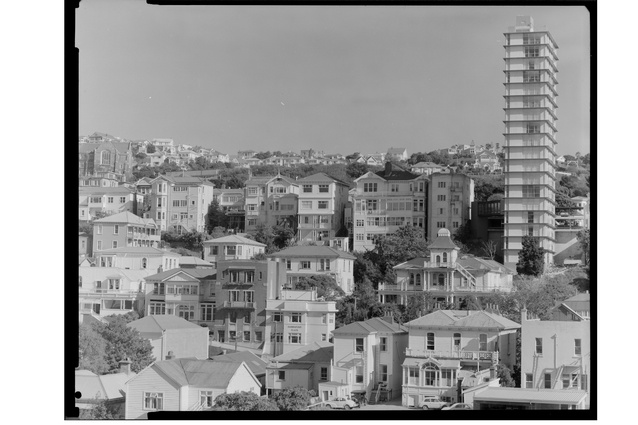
x=199, y=373
x=91, y=274
x=91, y=190
x=256, y=365
x=159, y=323
x=396, y=172
x=139, y=250
x=195, y=273
x=443, y=241
x=310, y=251
x=126, y=217
x=464, y=319
x=532, y=395
x=321, y=177
x=369, y=326
x=234, y=239
x=471, y=262
x=191, y=261
x=105, y=387
x=317, y=352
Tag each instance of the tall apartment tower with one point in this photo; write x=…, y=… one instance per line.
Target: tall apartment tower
x=530, y=138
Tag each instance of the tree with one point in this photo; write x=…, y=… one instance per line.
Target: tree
x=215, y=217
x=275, y=238
x=583, y=239
x=295, y=398
x=356, y=169
x=244, y=401
x=364, y=268
x=326, y=286
x=531, y=259
x=150, y=148
x=91, y=350
x=505, y=375
x=403, y=245
x=100, y=411
x=489, y=248
x=124, y=342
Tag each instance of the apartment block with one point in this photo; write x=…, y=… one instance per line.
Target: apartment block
x=124, y=229
x=530, y=138
x=180, y=204
x=322, y=200
x=385, y=201
x=450, y=197
x=271, y=201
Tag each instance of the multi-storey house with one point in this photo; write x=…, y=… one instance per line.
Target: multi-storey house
x=232, y=247
x=104, y=291
x=367, y=357
x=307, y=261
x=232, y=202
x=556, y=354
x=385, y=201
x=305, y=367
x=123, y=230
x=446, y=276
x=102, y=179
x=172, y=334
x=271, y=201
x=108, y=200
x=180, y=203
x=294, y=319
x=137, y=258
x=450, y=198
x=449, y=345
x=322, y=200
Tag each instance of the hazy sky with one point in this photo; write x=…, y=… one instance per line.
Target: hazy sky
x=338, y=79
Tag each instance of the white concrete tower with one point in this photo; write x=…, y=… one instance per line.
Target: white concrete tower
x=530, y=138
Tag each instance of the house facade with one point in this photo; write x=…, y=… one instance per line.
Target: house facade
x=232, y=247
x=109, y=200
x=322, y=200
x=271, y=201
x=124, y=229
x=450, y=197
x=138, y=258
x=385, y=201
x=307, y=366
x=449, y=345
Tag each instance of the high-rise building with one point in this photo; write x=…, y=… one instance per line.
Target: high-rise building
x=530, y=138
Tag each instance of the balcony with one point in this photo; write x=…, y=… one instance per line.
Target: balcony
x=238, y=304
x=389, y=287
x=112, y=293
x=491, y=356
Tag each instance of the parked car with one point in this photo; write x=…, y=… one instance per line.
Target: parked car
x=459, y=406
x=341, y=403
x=432, y=402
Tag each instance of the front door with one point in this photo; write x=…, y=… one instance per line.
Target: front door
x=325, y=396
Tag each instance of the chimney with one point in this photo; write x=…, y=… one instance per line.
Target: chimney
x=170, y=356
x=224, y=351
x=125, y=366
x=523, y=315
x=388, y=168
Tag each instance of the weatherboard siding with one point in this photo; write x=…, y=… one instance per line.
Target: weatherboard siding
x=151, y=380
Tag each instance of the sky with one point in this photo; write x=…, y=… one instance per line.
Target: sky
x=332, y=78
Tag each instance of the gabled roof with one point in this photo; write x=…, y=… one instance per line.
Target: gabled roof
x=159, y=323
x=283, y=178
x=309, y=251
x=127, y=217
x=321, y=177
x=396, y=172
x=105, y=387
x=195, y=273
x=317, y=352
x=258, y=180
x=471, y=262
x=92, y=274
x=94, y=190
x=193, y=262
x=233, y=239
x=199, y=373
x=477, y=319
x=369, y=326
x=138, y=250
x=256, y=365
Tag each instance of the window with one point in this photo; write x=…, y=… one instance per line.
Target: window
x=114, y=244
x=306, y=205
x=529, y=380
x=206, y=312
x=430, y=375
x=441, y=210
x=294, y=338
x=258, y=336
x=246, y=335
x=288, y=265
x=532, y=128
x=455, y=224
x=577, y=347
x=531, y=52
x=324, y=318
x=358, y=374
x=295, y=317
x=430, y=341
x=153, y=401
x=324, y=374
x=457, y=341
x=213, y=250
x=539, y=346
x=394, y=187
x=583, y=382
x=482, y=342
x=548, y=380
x=384, y=343
x=322, y=205
x=412, y=377
x=570, y=381
x=358, y=345
x=304, y=264
x=307, y=188
x=206, y=398
x=441, y=185
x=249, y=296
x=440, y=224
x=144, y=263
x=323, y=188
x=531, y=76
x=440, y=197
x=99, y=229
x=282, y=375
x=445, y=257
x=324, y=337
x=530, y=217
x=411, y=278
x=369, y=187
x=383, y=372
x=531, y=191
x=277, y=317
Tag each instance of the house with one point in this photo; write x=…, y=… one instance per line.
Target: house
x=306, y=366
x=124, y=229
x=397, y=154
x=185, y=385
x=427, y=168
x=109, y=389
x=138, y=258
x=256, y=365
x=446, y=276
x=156, y=158
x=232, y=247
x=450, y=197
x=108, y=200
x=367, y=357
x=101, y=179
x=84, y=245
x=271, y=201
x=322, y=200
x=168, y=333
x=386, y=201
x=190, y=262
x=556, y=354
x=448, y=345
x=104, y=291
x=307, y=261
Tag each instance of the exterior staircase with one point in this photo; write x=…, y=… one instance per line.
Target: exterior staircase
x=466, y=274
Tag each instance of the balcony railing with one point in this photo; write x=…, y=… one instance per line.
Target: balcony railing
x=238, y=304
x=110, y=292
x=461, y=355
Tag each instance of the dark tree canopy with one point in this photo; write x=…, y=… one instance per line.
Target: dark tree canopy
x=326, y=286
x=244, y=401
x=289, y=399
x=531, y=259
